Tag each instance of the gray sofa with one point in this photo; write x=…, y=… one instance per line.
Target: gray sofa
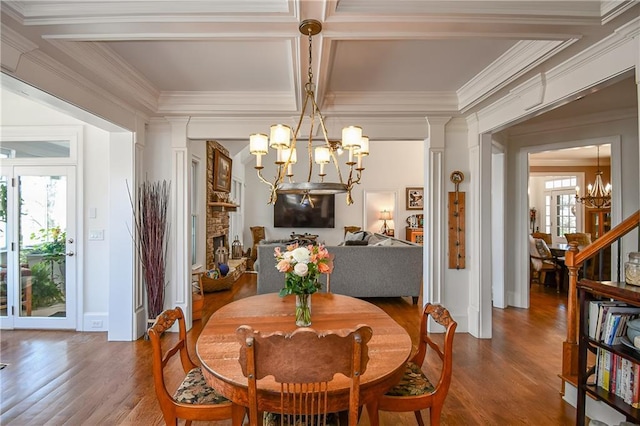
x=359, y=271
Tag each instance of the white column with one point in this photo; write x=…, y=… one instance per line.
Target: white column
x=434, y=218
x=178, y=292
x=122, y=257
x=478, y=237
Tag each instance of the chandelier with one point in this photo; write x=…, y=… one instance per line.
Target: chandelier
x=598, y=196
x=283, y=140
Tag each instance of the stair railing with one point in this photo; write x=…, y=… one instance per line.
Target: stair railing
x=574, y=259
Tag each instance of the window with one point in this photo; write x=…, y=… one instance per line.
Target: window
x=560, y=206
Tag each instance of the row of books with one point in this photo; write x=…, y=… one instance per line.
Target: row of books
x=619, y=376
x=608, y=324
x=608, y=320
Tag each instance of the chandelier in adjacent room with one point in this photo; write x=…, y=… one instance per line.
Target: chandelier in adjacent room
x=598, y=196
x=283, y=140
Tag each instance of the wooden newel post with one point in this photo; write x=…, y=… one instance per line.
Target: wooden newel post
x=570, y=346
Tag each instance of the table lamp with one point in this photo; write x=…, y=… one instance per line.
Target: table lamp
x=384, y=216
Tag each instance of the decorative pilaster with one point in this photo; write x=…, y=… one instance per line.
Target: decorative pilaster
x=178, y=291
x=434, y=218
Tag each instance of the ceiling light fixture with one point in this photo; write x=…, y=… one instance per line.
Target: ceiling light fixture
x=598, y=196
x=284, y=142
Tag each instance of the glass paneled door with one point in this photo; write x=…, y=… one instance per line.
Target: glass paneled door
x=38, y=280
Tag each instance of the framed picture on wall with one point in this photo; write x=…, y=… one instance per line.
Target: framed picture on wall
x=221, y=172
x=415, y=198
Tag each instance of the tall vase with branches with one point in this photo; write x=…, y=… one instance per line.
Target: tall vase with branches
x=152, y=237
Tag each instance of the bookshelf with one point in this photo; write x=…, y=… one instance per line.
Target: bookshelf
x=589, y=291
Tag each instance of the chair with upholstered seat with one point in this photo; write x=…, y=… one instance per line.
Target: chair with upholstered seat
x=193, y=399
x=303, y=363
x=416, y=391
x=542, y=261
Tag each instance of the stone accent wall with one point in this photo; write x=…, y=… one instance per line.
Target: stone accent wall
x=217, y=222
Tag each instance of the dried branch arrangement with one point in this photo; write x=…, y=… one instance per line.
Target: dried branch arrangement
x=152, y=238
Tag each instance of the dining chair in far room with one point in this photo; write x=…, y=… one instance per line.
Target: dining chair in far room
x=541, y=261
x=258, y=234
x=544, y=236
x=193, y=399
x=416, y=391
x=303, y=363
x=352, y=229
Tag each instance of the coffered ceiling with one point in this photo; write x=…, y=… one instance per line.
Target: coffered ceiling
x=246, y=58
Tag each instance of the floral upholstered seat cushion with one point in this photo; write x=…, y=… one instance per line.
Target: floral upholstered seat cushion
x=413, y=383
x=195, y=390
x=274, y=419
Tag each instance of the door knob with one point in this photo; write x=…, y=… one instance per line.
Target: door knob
x=69, y=253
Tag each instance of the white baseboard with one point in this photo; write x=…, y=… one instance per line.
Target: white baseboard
x=595, y=410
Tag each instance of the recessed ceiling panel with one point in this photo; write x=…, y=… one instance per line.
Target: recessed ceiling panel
x=230, y=65
x=411, y=65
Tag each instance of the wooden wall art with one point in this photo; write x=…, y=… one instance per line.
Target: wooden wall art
x=456, y=223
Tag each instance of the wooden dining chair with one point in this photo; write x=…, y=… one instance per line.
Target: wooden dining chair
x=548, y=238
x=415, y=391
x=193, y=399
x=541, y=261
x=303, y=363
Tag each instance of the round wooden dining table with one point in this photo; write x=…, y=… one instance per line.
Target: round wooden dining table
x=218, y=348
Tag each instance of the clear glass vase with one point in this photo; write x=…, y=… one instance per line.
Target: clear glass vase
x=303, y=310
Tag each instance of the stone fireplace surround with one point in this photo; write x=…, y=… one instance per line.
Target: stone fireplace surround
x=217, y=221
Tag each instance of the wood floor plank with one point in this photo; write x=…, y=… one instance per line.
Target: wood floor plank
x=68, y=378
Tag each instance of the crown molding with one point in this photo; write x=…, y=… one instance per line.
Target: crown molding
x=14, y=46
x=391, y=102
x=517, y=61
x=529, y=96
x=554, y=126
x=225, y=102
x=103, y=62
x=91, y=12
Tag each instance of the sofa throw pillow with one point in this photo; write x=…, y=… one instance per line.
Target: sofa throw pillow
x=354, y=236
x=355, y=243
x=373, y=240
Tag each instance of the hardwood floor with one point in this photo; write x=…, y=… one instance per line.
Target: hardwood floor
x=70, y=378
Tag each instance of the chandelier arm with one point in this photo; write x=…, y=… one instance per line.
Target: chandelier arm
x=272, y=187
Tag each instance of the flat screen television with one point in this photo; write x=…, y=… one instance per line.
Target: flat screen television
x=289, y=212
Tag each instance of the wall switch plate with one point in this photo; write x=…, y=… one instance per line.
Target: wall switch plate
x=96, y=234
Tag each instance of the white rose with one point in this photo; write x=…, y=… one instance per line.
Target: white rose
x=301, y=269
x=301, y=255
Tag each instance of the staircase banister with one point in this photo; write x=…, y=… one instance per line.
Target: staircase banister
x=573, y=257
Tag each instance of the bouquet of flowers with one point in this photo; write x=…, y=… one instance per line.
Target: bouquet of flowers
x=302, y=267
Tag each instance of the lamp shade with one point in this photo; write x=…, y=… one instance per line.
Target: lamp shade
x=364, y=146
x=280, y=136
x=351, y=137
x=322, y=155
x=283, y=156
x=258, y=144
x=385, y=215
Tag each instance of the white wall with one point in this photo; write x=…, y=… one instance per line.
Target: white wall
x=391, y=166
